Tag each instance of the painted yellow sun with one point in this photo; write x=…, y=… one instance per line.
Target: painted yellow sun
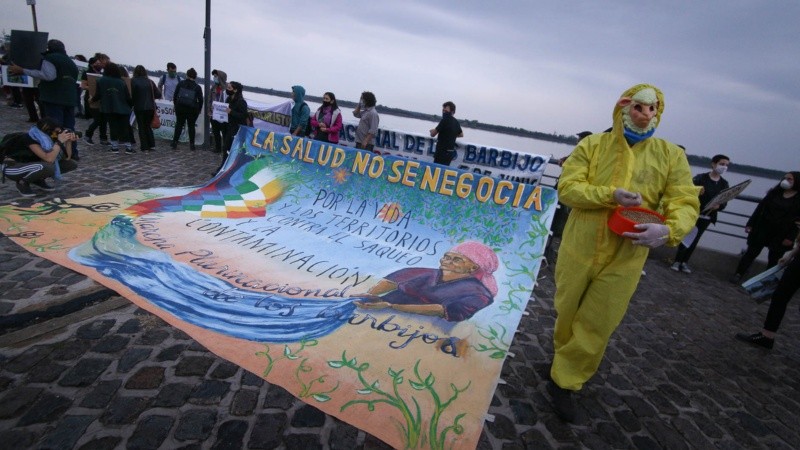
x=390, y=212
x=340, y=175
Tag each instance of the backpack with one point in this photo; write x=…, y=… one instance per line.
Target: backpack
x=7, y=143
x=185, y=97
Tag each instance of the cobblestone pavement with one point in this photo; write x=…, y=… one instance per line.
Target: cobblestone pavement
x=110, y=375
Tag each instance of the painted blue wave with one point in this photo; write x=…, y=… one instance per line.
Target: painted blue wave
x=204, y=300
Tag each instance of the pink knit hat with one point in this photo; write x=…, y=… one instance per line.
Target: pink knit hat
x=486, y=260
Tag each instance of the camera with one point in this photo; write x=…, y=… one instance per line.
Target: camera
x=78, y=134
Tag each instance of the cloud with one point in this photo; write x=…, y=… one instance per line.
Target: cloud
x=728, y=68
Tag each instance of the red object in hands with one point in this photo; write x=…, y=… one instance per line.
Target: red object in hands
x=623, y=219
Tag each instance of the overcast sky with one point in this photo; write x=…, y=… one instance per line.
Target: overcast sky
x=729, y=69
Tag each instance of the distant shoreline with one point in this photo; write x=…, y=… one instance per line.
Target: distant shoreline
x=694, y=160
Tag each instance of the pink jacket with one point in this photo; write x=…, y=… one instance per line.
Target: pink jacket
x=333, y=129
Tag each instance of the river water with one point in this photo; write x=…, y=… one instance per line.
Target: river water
x=728, y=244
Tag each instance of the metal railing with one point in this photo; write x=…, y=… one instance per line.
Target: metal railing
x=550, y=181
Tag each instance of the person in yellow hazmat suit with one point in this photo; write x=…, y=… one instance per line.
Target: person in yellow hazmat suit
x=597, y=270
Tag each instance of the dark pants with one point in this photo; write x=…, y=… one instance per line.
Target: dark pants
x=189, y=118
x=444, y=157
x=684, y=253
x=146, y=138
x=99, y=121
x=787, y=286
x=31, y=97
x=752, y=252
x=218, y=134
x=229, y=136
x=370, y=147
x=120, y=128
x=64, y=115
x=37, y=171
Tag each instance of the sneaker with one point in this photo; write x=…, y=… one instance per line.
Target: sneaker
x=104, y=142
x=25, y=189
x=756, y=339
x=129, y=151
x=736, y=278
x=42, y=184
x=685, y=268
x=173, y=145
x=88, y=140
x=114, y=149
x=676, y=267
x=563, y=402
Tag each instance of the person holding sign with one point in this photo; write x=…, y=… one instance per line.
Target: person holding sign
x=772, y=225
x=219, y=95
x=711, y=184
x=57, y=78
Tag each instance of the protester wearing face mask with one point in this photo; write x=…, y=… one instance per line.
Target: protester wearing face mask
x=772, y=225
x=711, y=184
x=218, y=94
x=169, y=81
x=448, y=130
x=786, y=288
x=237, y=116
x=327, y=121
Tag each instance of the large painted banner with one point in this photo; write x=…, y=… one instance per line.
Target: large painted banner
x=384, y=291
x=500, y=163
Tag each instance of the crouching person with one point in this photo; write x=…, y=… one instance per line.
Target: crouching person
x=43, y=152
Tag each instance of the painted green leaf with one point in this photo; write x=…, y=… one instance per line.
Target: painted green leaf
x=321, y=397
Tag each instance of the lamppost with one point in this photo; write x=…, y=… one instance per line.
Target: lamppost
x=32, y=4
x=207, y=84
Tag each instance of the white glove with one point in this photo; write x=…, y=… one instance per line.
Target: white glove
x=625, y=198
x=653, y=235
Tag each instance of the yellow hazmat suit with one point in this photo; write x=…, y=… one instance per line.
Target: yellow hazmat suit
x=597, y=271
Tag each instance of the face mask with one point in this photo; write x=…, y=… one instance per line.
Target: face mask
x=216, y=80
x=172, y=74
x=720, y=169
x=446, y=113
x=229, y=92
x=326, y=103
x=786, y=184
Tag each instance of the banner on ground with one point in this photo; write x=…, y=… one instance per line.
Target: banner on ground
x=384, y=291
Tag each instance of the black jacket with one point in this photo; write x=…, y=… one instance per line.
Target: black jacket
x=144, y=94
x=198, y=94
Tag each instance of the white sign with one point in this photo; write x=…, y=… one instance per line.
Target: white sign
x=219, y=111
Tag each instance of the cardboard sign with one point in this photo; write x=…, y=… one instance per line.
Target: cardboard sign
x=27, y=48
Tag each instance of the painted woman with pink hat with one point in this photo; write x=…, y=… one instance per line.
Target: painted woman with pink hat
x=461, y=286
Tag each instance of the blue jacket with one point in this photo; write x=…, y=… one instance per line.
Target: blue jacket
x=300, y=111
